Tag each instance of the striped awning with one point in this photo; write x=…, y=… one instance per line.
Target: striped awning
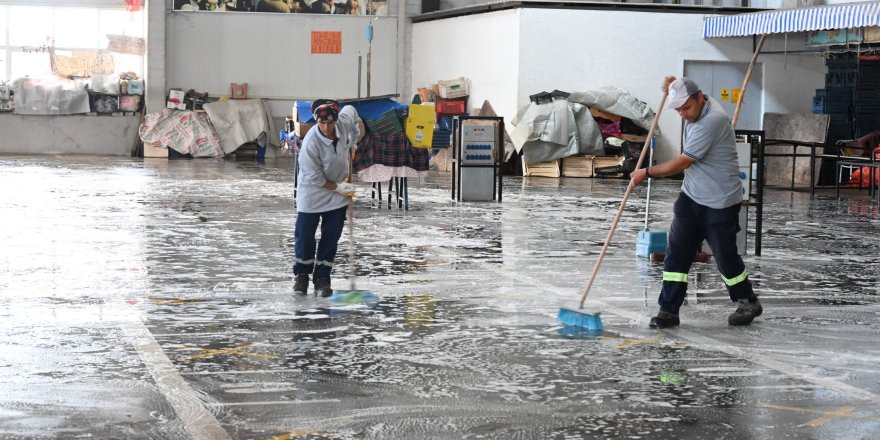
x=842, y=16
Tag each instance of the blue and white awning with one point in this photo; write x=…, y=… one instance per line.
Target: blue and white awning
x=843, y=16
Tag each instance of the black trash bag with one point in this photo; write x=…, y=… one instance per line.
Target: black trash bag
x=611, y=149
x=630, y=151
x=513, y=165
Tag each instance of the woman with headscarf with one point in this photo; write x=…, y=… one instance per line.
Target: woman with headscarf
x=323, y=193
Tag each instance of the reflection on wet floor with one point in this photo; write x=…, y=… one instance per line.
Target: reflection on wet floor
x=161, y=306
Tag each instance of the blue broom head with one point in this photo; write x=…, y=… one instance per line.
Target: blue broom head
x=577, y=318
x=366, y=297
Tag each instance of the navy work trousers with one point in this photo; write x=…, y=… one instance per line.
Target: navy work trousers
x=691, y=224
x=306, y=261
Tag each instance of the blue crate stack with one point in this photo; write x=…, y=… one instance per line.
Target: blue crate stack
x=851, y=96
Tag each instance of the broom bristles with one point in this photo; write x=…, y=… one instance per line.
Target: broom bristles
x=576, y=318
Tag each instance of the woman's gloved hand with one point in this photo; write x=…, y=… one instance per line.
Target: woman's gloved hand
x=344, y=188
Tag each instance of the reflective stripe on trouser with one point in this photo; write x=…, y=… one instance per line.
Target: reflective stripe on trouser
x=737, y=279
x=305, y=244
x=691, y=224
x=675, y=276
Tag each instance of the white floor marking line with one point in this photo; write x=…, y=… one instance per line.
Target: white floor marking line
x=196, y=419
x=274, y=402
x=221, y=373
x=712, y=344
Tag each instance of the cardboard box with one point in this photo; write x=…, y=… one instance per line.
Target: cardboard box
x=443, y=159
x=577, y=166
x=155, y=150
x=301, y=128
x=302, y=118
x=176, y=100
x=542, y=169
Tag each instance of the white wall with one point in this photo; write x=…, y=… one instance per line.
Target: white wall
x=573, y=50
x=271, y=52
x=580, y=49
x=73, y=134
x=482, y=48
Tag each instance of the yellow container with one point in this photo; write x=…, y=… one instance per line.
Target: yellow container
x=420, y=125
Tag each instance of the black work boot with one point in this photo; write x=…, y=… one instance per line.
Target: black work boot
x=322, y=287
x=746, y=311
x=664, y=320
x=301, y=284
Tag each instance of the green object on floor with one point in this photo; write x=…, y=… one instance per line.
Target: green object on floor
x=672, y=377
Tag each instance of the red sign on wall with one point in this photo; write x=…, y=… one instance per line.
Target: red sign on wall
x=326, y=42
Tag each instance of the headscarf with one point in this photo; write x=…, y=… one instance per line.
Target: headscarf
x=325, y=110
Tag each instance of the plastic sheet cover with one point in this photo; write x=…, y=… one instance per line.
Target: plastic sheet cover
x=50, y=95
x=186, y=132
x=237, y=122
x=564, y=128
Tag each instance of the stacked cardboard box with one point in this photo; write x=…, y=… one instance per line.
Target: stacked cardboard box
x=299, y=117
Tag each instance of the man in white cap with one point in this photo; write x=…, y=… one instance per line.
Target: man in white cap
x=708, y=206
x=323, y=194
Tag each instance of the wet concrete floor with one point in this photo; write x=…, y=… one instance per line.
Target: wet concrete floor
x=153, y=300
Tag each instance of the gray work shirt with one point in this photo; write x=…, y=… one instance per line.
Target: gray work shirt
x=713, y=179
x=321, y=159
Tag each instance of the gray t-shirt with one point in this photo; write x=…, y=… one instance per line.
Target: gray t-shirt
x=321, y=159
x=713, y=179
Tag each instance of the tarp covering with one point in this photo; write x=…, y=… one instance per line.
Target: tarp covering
x=237, y=122
x=843, y=16
x=50, y=95
x=185, y=131
x=565, y=127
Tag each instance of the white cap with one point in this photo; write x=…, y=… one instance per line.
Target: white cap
x=679, y=91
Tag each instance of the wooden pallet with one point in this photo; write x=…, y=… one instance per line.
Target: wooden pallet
x=542, y=169
x=577, y=166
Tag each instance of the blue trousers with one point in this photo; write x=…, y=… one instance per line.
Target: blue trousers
x=305, y=260
x=691, y=224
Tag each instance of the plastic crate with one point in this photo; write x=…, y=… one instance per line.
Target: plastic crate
x=445, y=122
x=837, y=100
x=454, y=88
x=441, y=138
x=450, y=106
x=819, y=104
x=387, y=124
x=842, y=61
x=870, y=106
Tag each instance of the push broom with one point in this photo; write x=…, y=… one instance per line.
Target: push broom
x=353, y=295
x=579, y=318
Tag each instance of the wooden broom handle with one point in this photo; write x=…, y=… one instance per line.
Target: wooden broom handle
x=742, y=93
x=629, y=189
